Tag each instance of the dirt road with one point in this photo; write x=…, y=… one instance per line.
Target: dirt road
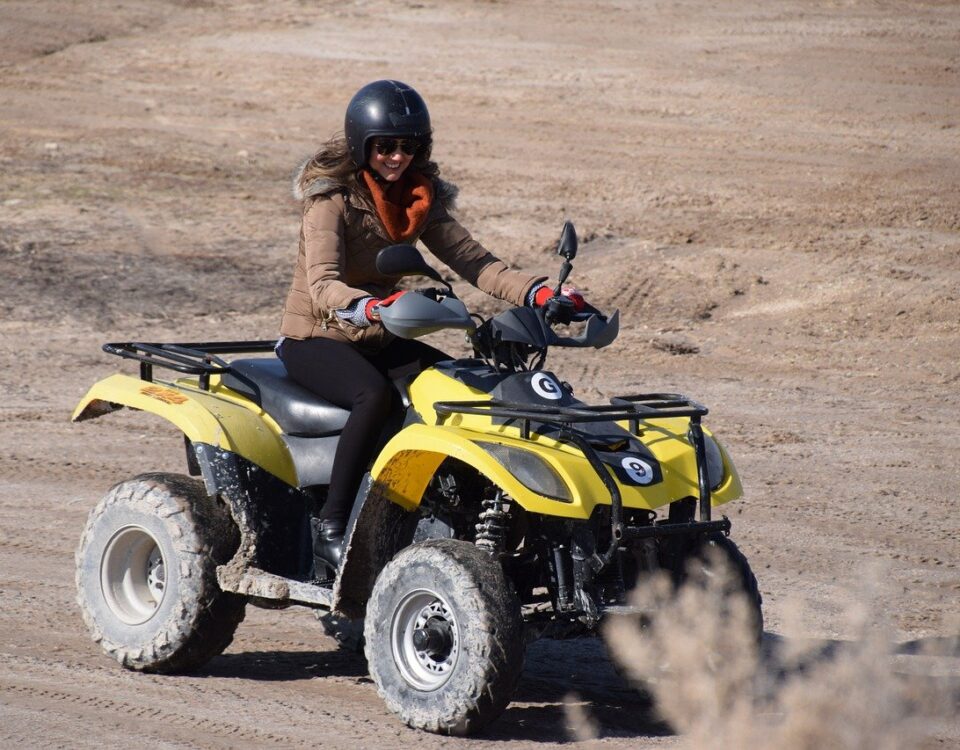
x=769, y=192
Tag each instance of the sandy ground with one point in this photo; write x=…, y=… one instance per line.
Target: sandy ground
x=769, y=192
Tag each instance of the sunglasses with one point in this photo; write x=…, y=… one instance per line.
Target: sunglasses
x=387, y=146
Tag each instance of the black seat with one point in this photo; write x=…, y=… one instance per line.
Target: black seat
x=298, y=411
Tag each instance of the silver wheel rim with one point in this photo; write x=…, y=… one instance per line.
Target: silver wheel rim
x=133, y=575
x=425, y=668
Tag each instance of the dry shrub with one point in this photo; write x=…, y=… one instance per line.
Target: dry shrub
x=697, y=656
x=582, y=725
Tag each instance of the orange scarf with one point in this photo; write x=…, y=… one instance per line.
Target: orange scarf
x=402, y=205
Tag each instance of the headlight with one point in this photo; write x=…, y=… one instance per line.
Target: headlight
x=715, y=472
x=530, y=470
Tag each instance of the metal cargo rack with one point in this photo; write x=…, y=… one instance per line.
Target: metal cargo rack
x=197, y=358
x=632, y=409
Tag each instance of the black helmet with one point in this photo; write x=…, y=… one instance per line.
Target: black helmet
x=384, y=108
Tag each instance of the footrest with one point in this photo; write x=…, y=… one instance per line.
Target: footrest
x=622, y=610
x=263, y=585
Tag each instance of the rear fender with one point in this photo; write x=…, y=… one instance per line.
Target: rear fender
x=219, y=420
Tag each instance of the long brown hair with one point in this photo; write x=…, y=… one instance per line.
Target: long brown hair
x=332, y=162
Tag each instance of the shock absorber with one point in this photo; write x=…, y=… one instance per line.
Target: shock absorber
x=492, y=522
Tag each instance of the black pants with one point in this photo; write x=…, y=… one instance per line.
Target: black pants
x=339, y=373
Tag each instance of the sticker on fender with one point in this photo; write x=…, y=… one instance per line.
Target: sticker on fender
x=637, y=469
x=167, y=395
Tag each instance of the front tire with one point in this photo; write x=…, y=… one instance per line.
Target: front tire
x=146, y=574
x=444, y=637
x=743, y=582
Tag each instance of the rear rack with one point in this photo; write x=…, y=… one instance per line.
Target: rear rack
x=196, y=358
x=643, y=406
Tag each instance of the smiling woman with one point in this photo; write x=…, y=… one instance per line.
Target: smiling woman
x=374, y=187
x=391, y=156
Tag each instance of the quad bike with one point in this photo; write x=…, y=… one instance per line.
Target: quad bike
x=498, y=509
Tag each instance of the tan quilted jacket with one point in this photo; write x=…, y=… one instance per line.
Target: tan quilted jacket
x=340, y=236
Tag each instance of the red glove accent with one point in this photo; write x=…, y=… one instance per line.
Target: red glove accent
x=371, y=310
x=391, y=299
x=545, y=293
x=578, y=301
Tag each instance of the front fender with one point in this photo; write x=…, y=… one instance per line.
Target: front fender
x=408, y=462
x=214, y=419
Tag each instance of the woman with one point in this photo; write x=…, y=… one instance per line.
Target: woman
x=375, y=187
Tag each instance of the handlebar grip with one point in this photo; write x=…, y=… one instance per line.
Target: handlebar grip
x=559, y=310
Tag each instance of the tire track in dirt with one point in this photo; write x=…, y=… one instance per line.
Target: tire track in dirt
x=23, y=720
x=181, y=701
x=157, y=722
x=303, y=679
x=13, y=542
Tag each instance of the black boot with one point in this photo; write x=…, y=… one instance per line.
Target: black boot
x=328, y=547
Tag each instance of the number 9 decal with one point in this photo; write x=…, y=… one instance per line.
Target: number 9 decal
x=638, y=470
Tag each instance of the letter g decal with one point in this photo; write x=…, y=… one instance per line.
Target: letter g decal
x=546, y=387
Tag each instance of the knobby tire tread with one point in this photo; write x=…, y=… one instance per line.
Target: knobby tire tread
x=195, y=634
x=481, y=587
x=748, y=581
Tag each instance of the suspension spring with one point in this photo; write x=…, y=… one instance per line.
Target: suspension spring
x=493, y=521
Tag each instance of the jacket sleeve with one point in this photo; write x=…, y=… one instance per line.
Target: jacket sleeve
x=325, y=254
x=446, y=238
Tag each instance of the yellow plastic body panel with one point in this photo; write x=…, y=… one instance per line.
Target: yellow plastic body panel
x=408, y=461
x=217, y=417
x=667, y=440
x=404, y=468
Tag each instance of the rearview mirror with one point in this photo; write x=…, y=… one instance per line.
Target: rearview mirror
x=568, y=242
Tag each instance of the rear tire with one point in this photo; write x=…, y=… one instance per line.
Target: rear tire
x=444, y=637
x=147, y=574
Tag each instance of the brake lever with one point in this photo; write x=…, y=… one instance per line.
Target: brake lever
x=434, y=293
x=588, y=312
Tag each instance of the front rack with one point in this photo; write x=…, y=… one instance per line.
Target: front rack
x=196, y=358
x=621, y=408
x=633, y=409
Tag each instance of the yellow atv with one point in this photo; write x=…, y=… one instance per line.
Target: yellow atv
x=499, y=508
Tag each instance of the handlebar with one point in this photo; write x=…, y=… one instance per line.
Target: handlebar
x=600, y=330
x=588, y=311
x=563, y=310
x=433, y=309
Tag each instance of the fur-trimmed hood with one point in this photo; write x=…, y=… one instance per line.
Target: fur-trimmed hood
x=341, y=237
x=443, y=191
